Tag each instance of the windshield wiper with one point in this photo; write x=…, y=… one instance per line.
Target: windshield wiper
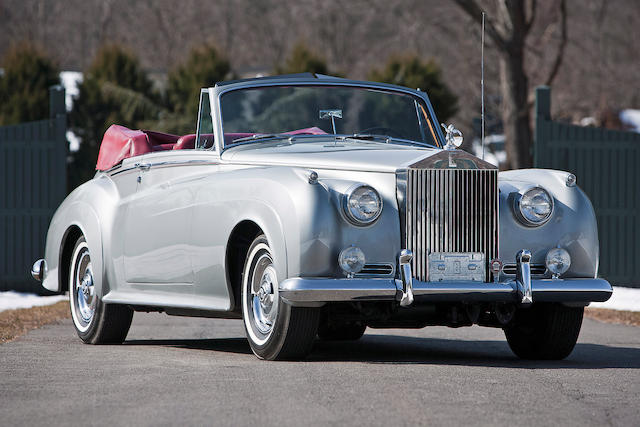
x=387, y=139
x=261, y=136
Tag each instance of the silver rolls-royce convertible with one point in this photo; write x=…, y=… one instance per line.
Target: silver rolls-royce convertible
x=313, y=207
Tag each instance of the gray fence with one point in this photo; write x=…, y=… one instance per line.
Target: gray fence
x=33, y=182
x=607, y=164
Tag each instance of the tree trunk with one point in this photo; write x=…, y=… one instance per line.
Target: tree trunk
x=515, y=112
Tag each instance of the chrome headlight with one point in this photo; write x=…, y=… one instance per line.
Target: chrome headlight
x=362, y=204
x=534, y=207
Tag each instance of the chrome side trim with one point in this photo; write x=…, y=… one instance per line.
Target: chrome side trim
x=168, y=163
x=304, y=291
x=179, y=163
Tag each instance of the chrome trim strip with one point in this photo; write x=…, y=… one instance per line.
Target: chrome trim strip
x=321, y=290
x=182, y=163
x=168, y=163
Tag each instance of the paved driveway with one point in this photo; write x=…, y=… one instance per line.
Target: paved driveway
x=200, y=371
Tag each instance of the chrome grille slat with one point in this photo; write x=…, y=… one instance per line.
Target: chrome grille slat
x=451, y=210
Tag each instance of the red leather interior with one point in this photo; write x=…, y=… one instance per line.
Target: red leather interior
x=186, y=142
x=120, y=143
x=162, y=147
x=159, y=138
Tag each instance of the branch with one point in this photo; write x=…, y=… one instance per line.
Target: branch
x=532, y=15
x=475, y=12
x=563, y=42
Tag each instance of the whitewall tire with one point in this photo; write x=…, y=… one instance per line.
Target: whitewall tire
x=275, y=329
x=94, y=321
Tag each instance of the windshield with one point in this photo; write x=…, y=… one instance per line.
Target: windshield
x=320, y=110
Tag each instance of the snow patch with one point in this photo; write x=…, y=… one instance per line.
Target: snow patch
x=12, y=300
x=627, y=299
x=631, y=118
x=70, y=81
x=74, y=141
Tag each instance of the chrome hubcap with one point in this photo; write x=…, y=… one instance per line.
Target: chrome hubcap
x=264, y=298
x=84, y=289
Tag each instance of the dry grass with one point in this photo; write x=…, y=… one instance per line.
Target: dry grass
x=14, y=323
x=614, y=316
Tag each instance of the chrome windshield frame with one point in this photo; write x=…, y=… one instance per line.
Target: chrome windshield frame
x=217, y=92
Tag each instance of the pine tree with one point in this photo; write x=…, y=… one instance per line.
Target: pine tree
x=303, y=60
x=24, y=85
x=114, y=89
x=412, y=72
x=203, y=68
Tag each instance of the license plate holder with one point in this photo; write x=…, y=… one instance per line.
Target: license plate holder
x=457, y=266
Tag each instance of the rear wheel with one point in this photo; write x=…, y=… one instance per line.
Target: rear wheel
x=95, y=322
x=345, y=331
x=275, y=329
x=544, y=331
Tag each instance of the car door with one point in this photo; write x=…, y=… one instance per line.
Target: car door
x=158, y=222
x=157, y=250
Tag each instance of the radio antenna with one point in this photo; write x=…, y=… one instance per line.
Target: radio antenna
x=482, y=87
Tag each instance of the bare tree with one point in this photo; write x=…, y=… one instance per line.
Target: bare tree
x=508, y=32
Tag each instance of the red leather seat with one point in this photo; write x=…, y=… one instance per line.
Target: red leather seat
x=159, y=138
x=186, y=142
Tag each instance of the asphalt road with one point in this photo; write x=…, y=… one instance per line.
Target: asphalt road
x=201, y=371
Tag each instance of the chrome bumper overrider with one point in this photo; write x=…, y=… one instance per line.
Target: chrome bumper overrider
x=523, y=290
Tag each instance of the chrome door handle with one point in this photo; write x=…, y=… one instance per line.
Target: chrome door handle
x=143, y=166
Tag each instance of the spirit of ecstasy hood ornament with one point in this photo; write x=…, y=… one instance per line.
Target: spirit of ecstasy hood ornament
x=453, y=137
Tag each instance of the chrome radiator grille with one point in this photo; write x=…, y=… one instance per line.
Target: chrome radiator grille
x=451, y=210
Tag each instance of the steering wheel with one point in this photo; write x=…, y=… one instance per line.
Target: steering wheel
x=382, y=130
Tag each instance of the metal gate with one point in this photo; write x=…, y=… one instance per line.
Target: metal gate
x=607, y=164
x=33, y=182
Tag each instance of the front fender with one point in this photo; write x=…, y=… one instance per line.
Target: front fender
x=572, y=225
x=72, y=213
x=88, y=208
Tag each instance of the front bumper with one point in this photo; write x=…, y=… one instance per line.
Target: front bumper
x=316, y=291
x=523, y=290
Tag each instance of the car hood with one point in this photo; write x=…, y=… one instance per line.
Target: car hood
x=327, y=154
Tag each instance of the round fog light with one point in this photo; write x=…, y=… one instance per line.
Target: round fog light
x=558, y=261
x=351, y=260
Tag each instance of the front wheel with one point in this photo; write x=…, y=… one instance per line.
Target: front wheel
x=544, y=331
x=95, y=321
x=275, y=329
